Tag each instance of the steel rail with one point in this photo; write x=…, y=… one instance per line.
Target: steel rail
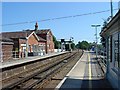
x=13, y=85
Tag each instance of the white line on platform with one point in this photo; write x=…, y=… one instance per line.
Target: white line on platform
x=60, y=84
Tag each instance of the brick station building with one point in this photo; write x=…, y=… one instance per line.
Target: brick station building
x=45, y=35
x=23, y=41
x=6, y=49
x=29, y=42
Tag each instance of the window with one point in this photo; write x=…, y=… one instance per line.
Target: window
x=115, y=49
x=29, y=48
x=119, y=50
x=110, y=48
x=33, y=48
x=116, y=52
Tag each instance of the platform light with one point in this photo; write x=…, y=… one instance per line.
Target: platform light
x=96, y=38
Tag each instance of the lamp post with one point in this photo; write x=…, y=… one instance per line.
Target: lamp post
x=62, y=44
x=111, y=6
x=96, y=38
x=70, y=43
x=26, y=51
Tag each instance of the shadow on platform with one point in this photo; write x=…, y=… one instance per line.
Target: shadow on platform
x=85, y=84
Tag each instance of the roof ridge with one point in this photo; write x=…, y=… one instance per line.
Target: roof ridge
x=13, y=32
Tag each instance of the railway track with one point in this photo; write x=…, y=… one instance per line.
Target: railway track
x=40, y=76
x=62, y=72
x=15, y=73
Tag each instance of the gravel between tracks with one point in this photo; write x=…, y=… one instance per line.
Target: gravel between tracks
x=62, y=73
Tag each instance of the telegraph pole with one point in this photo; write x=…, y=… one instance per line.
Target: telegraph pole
x=96, y=38
x=111, y=6
x=70, y=43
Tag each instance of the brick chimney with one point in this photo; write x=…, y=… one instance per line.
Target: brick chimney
x=36, y=26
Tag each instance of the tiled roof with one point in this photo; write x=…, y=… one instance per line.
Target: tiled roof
x=41, y=39
x=6, y=40
x=43, y=31
x=21, y=34
x=24, y=34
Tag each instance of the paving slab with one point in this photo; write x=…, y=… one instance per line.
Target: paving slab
x=25, y=60
x=85, y=75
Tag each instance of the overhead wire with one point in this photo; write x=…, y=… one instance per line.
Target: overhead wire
x=51, y=19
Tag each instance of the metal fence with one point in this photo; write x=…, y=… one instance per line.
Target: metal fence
x=6, y=55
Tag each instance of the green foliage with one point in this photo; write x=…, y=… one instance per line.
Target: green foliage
x=67, y=46
x=83, y=45
x=73, y=46
x=56, y=43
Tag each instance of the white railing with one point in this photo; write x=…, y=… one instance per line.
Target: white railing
x=7, y=55
x=10, y=54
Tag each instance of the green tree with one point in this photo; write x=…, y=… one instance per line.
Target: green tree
x=56, y=43
x=83, y=45
x=73, y=46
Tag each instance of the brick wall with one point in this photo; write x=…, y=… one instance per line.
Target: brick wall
x=43, y=43
x=22, y=43
x=50, y=43
x=32, y=40
x=33, y=45
x=7, y=51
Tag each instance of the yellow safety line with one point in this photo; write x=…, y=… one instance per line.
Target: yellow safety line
x=90, y=72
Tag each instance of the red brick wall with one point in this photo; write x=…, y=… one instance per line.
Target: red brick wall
x=43, y=43
x=50, y=43
x=7, y=51
x=32, y=40
x=21, y=52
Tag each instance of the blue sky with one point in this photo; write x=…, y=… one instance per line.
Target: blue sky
x=78, y=27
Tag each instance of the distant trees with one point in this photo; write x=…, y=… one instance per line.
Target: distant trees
x=87, y=46
x=83, y=45
x=80, y=45
x=70, y=46
x=73, y=45
x=56, y=43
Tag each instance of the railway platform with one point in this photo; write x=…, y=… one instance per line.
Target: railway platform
x=14, y=62
x=86, y=74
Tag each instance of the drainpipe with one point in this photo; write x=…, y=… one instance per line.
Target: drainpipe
x=26, y=53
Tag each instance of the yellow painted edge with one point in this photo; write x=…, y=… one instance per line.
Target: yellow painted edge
x=90, y=72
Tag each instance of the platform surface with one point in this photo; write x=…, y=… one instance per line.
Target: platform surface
x=86, y=74
x=25, y=60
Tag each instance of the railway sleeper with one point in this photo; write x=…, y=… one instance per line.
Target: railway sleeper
x=51, y=72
